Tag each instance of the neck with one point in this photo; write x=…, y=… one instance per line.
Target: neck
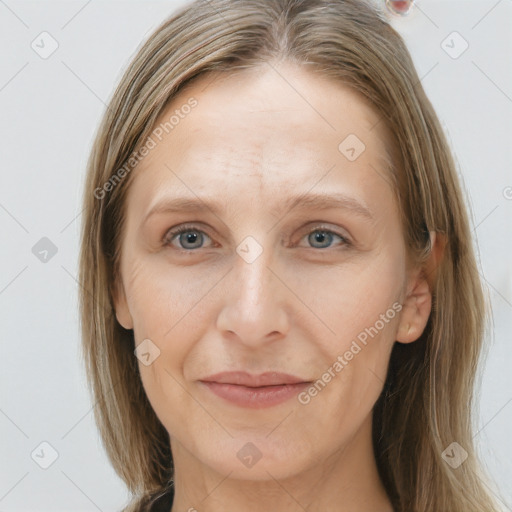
x=347, y=481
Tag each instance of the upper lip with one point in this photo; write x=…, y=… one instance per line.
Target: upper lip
x=246, y=379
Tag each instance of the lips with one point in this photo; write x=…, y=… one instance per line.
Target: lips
x=254, y=391
x=254, y=381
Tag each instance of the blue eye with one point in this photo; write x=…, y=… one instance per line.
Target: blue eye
x=322, y=235
x=186, y=235
x=191, y=238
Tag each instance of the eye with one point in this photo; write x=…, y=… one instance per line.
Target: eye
x=319, y=237
x=189, y=237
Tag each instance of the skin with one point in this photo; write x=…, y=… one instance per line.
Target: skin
x=254, y=139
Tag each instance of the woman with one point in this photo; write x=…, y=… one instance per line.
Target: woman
x=315, y=346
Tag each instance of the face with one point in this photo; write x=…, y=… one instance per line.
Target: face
x=317, y=289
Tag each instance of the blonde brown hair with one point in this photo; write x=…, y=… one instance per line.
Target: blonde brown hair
x=427, y=401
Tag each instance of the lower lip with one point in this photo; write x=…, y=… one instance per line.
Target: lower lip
x=255, y=398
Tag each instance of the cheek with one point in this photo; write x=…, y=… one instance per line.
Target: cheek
x=167, y=305
x=361, y=306
x=349, y=298
x=367, y=321
x=168, y=308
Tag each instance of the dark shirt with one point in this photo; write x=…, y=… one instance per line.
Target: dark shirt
x=163, y=503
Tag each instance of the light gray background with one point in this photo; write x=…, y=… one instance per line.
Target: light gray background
x=50, y=109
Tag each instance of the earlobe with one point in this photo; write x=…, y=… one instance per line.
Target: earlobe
x=415, y=313
x=121, y=306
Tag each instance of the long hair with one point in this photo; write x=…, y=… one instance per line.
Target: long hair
x=427, y=402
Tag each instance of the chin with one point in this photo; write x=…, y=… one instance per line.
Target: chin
x=256, y=457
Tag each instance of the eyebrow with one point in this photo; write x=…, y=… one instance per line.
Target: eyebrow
x=301, y=201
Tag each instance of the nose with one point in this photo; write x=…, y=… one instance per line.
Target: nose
x=254, y=311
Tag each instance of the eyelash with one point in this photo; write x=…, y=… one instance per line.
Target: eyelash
x=171, y=234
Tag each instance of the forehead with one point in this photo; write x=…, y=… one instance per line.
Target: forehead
x=272, y=128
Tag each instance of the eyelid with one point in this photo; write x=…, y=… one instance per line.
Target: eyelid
x=322, y=226
x=173, y=232
x=312, y=226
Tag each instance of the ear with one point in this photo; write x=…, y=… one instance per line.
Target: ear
x=418, y=302
x=121, y=305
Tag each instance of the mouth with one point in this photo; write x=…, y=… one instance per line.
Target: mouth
x=254, y=391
